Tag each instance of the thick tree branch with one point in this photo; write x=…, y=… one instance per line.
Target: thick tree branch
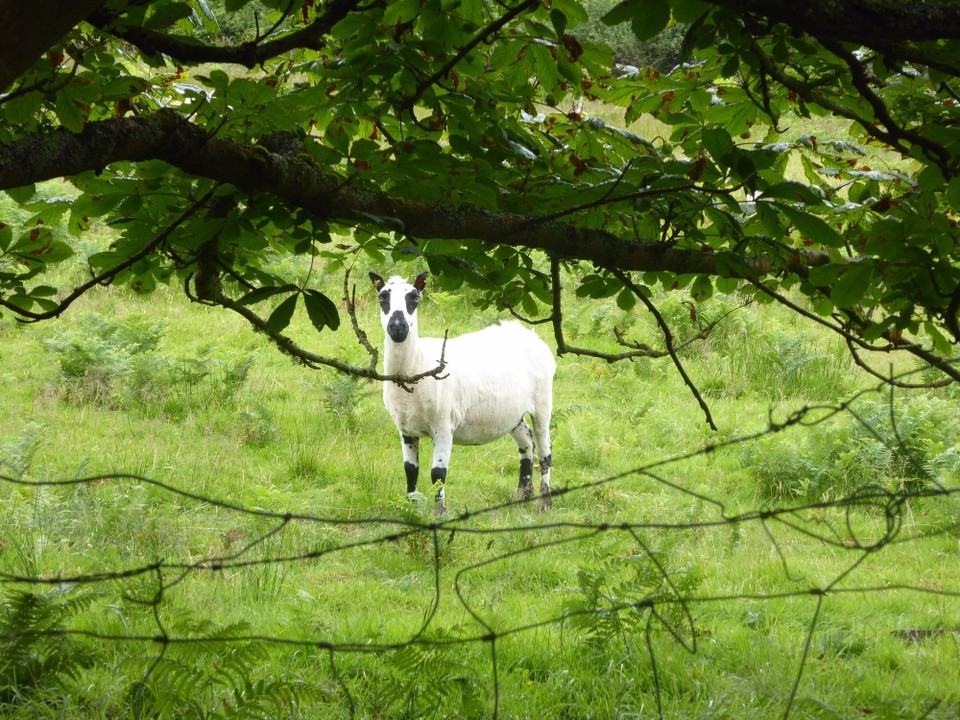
x=248, y=54
x=28, y=29
x=167, y=136
x=859, y=21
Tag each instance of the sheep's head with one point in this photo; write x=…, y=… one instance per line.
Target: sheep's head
x=398, y=304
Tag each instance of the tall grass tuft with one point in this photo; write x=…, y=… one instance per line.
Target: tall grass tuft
x=16, y=457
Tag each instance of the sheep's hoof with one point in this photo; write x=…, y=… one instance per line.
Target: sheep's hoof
x=440, y=509
x=525, y=492
x=544, y=503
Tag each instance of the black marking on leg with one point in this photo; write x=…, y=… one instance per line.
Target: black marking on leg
x=412, y=471
x=545, y=464
x=439, y=476
x=408, y=440
x=526, y=478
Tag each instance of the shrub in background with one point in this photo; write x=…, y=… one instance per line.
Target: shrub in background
x=917, y=446
x=118, y=364
x=661, y=52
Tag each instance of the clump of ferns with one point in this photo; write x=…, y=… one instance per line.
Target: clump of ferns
x=218, y=676
x=37, y=652
x=434, y=679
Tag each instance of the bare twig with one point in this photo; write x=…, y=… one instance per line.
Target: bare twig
x=608, y=199
x=889, y=379
x=563, y=347
x=947, y=367
x=668, y=341
x=479, y=38
x=248, y=54
x=350, y=300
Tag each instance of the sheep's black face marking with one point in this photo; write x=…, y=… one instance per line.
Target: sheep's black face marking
x=384, y=298
x=413, y=300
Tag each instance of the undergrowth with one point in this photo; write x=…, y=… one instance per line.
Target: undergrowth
x=118, y=363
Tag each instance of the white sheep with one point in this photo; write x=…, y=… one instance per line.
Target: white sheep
x=491, y=379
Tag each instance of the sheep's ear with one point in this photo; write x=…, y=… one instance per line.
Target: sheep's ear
x=377, y=281
x=421, y=281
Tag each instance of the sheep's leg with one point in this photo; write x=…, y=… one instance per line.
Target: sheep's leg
x=442, y=447
x=523, y=437
x=541, y=430
x=411, y=460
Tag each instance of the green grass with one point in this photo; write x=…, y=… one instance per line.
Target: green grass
x=567, y=595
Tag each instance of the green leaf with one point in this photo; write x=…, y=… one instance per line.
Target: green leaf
x=168, y=13
x=811, y=227
x=282, y=314
x=400, y=11
x=6, y=237
x=702, y=288
x=940, y=342
x=791, y=191
x=852, y=285
x=822, y=305
x=647, y=17
x=686, y=11
x=653, y=17
x=529, y=304
x=69, y=113
x=559, y=21
x=21, y=110
x=321, y=310
x=262, y=293
x=728, y=285
x=719, y=144
x=619, y=13
x=953, y=193
x=626, y=300
x=22, y=195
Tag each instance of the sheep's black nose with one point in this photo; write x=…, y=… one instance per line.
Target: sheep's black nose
x=397, y=327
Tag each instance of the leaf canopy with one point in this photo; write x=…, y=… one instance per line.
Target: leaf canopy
x=795, y=150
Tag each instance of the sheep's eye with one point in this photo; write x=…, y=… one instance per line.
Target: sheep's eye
x=384, y=298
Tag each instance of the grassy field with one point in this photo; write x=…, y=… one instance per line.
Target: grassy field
x=260, y=558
